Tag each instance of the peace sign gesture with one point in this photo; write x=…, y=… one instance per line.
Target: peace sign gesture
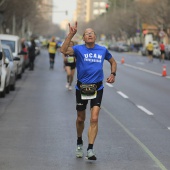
x=73, y=29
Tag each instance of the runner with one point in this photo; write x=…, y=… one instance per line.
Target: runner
x=162, y=49
x=70, y=66
x=52, y=48
x=90, y=76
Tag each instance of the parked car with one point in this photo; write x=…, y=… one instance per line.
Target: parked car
x=15, y=44
x=122, y=47
x=102, y=43
x=4, y=74
x=112, y=46
x=12, y=66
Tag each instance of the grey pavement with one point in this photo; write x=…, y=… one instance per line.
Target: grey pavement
x=37, y=127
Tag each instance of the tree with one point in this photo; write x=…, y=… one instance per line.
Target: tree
x=28, y=15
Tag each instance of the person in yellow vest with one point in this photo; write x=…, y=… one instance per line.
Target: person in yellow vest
x=52, y=48
x=150, y=51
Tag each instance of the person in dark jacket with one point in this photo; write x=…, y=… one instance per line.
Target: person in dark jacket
x=31, y=54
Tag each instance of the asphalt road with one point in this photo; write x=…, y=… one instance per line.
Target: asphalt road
x=37, y=121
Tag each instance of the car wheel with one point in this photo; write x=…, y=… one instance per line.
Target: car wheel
x=12, y=87
x=7, y=89
x=20, y=75
x=3, y=93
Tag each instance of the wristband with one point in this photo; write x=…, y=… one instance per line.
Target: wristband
x=113, y=73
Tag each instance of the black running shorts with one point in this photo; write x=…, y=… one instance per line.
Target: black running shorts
x=150, y=52
x=71, y=65
x=82, y=104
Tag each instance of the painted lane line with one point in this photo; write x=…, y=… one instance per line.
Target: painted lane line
x=110, y=85
x=168, y=128
x=140, y=63
x=145, y=110
x=145, y=149
x=142, y=69
x=122, y=94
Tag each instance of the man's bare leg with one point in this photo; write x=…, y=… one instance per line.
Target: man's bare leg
x=80, y=127
x=92, y=132
x=81, y=116
x=93, y=129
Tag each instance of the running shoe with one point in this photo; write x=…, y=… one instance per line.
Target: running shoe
x=69, y=88
x=67, y=85
x=91, y=155
x=79, y=151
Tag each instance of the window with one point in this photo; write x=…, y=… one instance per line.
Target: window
x=96, y=12
x=96, y=4
x=7, y=54
x=11, y=44
x=102, y=4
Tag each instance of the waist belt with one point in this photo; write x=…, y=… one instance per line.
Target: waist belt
x=98, y=84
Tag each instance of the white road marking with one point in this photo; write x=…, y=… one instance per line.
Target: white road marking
x=145, y=110
x=109, y=84
x=142, y=69
x=168, y=128
x=122, y=94
x=140, y=63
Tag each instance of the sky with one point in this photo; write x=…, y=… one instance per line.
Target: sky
x=60, y=6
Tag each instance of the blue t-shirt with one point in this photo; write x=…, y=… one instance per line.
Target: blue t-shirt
x=89, y=62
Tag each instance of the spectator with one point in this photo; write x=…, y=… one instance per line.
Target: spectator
x=31, y=54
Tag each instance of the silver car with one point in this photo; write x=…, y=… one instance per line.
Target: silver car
x=14, y=42
x=12, y=66
x=4, y=74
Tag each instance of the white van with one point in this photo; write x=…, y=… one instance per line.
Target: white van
x=14, y=42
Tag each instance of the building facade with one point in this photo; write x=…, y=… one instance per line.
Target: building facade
x=88, y=10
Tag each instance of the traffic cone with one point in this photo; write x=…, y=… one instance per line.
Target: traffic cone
x=122, y=60
x=164, y=71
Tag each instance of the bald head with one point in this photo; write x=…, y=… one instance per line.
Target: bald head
x=88, y=30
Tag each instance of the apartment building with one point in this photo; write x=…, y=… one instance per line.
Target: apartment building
x=88, y=10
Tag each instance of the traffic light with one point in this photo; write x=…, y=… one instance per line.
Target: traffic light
x=107, y=6
x=66, y=12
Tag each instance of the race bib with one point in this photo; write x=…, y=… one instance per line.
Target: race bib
x=70, y=59
x=88, y=97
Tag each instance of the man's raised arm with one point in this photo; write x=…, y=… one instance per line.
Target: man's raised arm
x=65, y=49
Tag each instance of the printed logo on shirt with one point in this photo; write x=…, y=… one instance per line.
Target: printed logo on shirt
x=93, y=57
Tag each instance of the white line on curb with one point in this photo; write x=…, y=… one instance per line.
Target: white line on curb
x=145, y=110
